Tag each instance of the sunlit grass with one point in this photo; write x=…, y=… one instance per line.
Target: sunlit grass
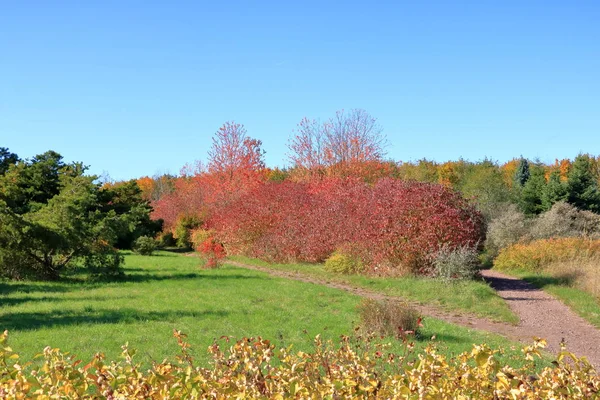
x=169, y=291
x=472, y=296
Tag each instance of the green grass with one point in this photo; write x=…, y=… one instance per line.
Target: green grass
x=170, y=291
x=475, y=297
x=580, y=301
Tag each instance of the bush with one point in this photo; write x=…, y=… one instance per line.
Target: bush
x=458, y=263
x=252, y=368
x=508, y=228
x=144, y=245
x=165, y=239
x=539, y=254
x=185, y=224
x=565, y=220
x=388, y=317
x=342, y=262
x=396, y=226
x=213, y=252
x=199, y=235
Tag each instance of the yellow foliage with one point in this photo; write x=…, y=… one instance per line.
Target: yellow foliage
x=537, y=255
x=252, y=368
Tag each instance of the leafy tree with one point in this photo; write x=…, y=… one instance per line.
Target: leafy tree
x=485, y=183
x=6, y=159
x=582, y=187
x=349, y=139
x=126, y=200
x=233, y=151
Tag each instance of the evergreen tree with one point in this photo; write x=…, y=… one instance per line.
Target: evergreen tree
x=582, y=187
x=522, y=173
x=554, y=191
x=530, y=197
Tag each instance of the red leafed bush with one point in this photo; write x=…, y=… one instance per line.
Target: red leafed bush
x=396, y=226
x=213, y=251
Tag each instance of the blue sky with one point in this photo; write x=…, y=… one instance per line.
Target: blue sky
x=139, y=87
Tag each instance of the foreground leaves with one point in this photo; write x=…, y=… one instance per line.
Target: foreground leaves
x=251, y=368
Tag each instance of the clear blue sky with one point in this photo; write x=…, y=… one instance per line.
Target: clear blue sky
x=139, y=87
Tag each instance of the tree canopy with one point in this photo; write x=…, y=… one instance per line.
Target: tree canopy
x=53, y=216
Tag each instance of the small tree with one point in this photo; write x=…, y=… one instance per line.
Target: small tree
x=233, y=151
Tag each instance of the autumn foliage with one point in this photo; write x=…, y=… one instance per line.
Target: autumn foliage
x=540, y=254
x=254, y=368
x=394, y=226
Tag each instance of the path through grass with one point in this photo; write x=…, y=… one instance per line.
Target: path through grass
x=580, y=301
x=169, y=291
x=475, y=297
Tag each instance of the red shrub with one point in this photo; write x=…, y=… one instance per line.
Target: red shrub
x=398, y=225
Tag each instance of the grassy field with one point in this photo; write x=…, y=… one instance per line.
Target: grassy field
x=475, y=297
x=170, y=291
x=582, y=302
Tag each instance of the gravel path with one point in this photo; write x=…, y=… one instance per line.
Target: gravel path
x=541, y=314
x=544, y=316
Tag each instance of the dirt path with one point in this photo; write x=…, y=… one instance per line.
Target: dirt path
x=541, y=315
x=544, y=316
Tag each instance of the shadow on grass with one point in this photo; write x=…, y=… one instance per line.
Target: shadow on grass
x=176, y=277
x=68, y=284
x=175, y=250
x=31, y=287
x=541, y=281
x=15, y=301
x=35, y=320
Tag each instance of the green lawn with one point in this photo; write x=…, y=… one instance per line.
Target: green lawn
x=475, y=297
x=580, y=301
x=170, y=291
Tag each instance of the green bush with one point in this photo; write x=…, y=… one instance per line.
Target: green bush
x=342, y=262
x=458, y=263
x=388, y=317
x=185, y=224
x=144, y=245
x=166, y=239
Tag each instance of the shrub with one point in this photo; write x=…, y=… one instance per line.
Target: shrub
x=343, y=262
x=510, y=226
x=395, y=226
x=388, y=317
x=200, y=235
x=213, y=251
x=183, y=227
x=458, y=263
x=165, y=239
x=144, y=245
x=565, y=220
x=251, y=368
x=539, y=254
